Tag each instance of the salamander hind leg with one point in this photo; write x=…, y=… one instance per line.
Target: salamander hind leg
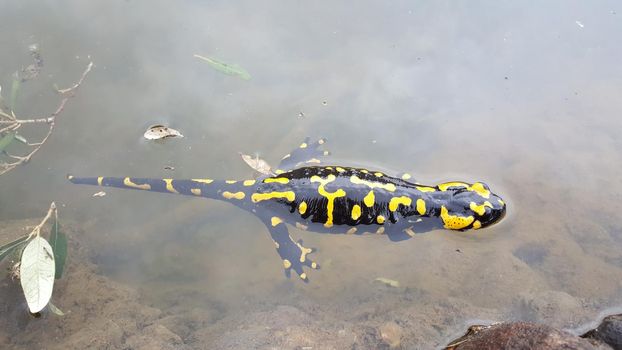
x=306, y=153
x=293, y=254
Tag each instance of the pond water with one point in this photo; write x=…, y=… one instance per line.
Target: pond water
x=523, y=98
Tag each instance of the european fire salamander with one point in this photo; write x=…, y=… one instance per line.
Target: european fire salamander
x=334, y=199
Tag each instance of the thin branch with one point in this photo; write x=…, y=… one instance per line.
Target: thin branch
x=15, y=123
x=37, y=230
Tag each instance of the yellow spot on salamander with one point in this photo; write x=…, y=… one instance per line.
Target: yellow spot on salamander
x=258, y=197
x=302, y=208
x=455, y=222
x=303, y=145
x=501, y=202
x=236, y=195
x=287, y=264
x=196, y=191
x=275, y=221
x=406, y=176
x=446, y=185
x=325, y=153
x=425, y=188
x=364, y=171
x=378, y=174
x=205, y=181
x=480, y=189
x=230, y=182
x=477, y=187
x=248, y=182
x=169, y=185
x=356, y=212
x=303, y=276
x=380, y=219
x=281, y=180
x=329, y=195
x=369, y=199
x=313, y=160
x=100, y=180
x=357, y=181
x=303, y=252
x=477, y=225
x=480, y=209
x=340, y=169
x=127, y=182
x=279, y=171
x=314, y=265
x=351, y=231
x=421, y=206
x=380, y=230
x=396, y=201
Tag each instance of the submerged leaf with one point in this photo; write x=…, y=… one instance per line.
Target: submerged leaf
x=257, y=164
x=8, y=248
x=158, y=131
x=15, y=86
x=55, y=310
x=229, y=69
x=388, y=282
x=6, y=140
x=58, y=241
x=37, y=273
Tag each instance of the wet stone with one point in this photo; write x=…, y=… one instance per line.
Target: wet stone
x=391, y=334
x=609, y=332
x=521, y=335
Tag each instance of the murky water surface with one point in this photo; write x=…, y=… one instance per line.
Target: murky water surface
x=523, y=98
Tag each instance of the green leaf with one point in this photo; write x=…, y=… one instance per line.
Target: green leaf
x=6, y=140
x=55, y=310
x=7, y=249
x=15, y=86
x=229, y=69
x=58, y=241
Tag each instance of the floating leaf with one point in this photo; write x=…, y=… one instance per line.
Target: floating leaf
x=58, y=241
x=6, y=140
x=229, y=69
x=257, y=164
x=388, y=282
x=15, y=86
x=158, y=131
x=8, y=248
x=99, y=194
x=55, y=310
x=37, y=273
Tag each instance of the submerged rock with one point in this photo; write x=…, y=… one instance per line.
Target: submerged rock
x=391, y=334
x=520, y=335
x=609, y=331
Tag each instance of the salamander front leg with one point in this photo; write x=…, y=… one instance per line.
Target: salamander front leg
x=306, y=153
x=293, y=254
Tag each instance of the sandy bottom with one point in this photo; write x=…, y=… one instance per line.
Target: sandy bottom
x=341, y=308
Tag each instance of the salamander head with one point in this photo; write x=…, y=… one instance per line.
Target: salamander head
x=471, y=206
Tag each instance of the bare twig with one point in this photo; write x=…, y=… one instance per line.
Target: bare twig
x=14, y=123
x=37, y=230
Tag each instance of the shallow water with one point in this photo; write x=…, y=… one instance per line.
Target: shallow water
x=523, y=98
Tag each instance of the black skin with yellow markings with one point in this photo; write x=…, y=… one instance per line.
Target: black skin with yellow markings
x=334, y=199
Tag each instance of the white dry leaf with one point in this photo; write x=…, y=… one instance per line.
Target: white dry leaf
x=388, y=282
x=36, y=271
x=158, y=131
x=99, y=194
x=257, y=164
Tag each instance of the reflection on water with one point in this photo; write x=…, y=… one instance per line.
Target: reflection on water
x=522, y=98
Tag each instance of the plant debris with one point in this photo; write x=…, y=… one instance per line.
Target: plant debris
x=159, y=131
x=258, y=164
x=229, y=69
